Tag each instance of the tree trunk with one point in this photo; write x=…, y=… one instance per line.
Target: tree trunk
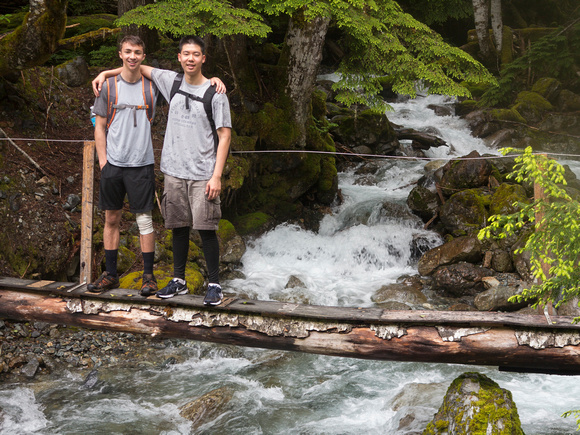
x=497, y=24
x=149, y=36
x=305, y=41
x=36, y=39
x=481, y=17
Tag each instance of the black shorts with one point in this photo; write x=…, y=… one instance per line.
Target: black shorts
x=137, y=183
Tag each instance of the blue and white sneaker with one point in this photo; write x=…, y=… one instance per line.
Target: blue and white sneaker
x=214, y=295
x=176, y=286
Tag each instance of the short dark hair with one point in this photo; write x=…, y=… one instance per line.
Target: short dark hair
x=192, y=39
x=132, y=39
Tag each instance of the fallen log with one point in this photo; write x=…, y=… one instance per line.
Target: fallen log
x=512, y=342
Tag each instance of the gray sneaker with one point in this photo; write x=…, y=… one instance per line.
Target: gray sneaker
x=174, y=287
x=214, y=295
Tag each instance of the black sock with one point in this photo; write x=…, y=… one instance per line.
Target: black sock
x=111, y=261
x=148, y=262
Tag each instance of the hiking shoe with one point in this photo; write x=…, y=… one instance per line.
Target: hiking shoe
x=214, y=295
x=149, y=286
x=175, y=287
x=104, y=282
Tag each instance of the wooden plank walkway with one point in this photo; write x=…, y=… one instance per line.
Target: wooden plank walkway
x=527, y=343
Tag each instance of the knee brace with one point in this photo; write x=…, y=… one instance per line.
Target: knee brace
x=145, y=223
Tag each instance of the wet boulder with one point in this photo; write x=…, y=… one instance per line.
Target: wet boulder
x=461, y=279
x=467, y=248
x=475, y=404
x=465, y=174
x=465, y=212
x=496, y=297
x=405, y=293
x=207, y=407
x=423, y=202
x=366, y=128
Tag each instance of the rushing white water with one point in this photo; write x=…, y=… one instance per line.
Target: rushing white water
x=360, y=247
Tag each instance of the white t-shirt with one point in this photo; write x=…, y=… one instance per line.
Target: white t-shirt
x=188, y=149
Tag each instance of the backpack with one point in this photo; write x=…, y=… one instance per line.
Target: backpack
x=112, y=96
x=206, y=100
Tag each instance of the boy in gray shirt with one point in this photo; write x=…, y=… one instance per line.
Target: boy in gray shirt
x=124, y=111
x=193, y=159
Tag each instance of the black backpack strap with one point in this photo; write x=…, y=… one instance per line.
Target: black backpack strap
x=175, y=86
x=207, y=99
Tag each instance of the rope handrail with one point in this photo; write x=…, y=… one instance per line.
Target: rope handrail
x=335, y=153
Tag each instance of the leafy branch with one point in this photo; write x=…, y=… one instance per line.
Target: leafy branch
x=556, y=240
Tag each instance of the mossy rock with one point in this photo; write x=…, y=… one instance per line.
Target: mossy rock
x=475, y=404
x=507, y=115
x=568, y=101
x=548, y=87
x=505, y=199
x=532, y=106
x=252, y=223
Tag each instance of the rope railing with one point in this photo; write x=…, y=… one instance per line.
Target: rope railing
x=335, y=153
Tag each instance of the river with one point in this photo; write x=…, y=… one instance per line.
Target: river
x=356, y=251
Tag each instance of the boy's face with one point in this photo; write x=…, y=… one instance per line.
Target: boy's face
x=191, y=59
x=132, y=56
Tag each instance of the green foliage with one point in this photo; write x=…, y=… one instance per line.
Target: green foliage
x=556, y=239
x=200, y=17
x=379, y=38
x=576, y=414
x=387, y=41
x=105, y=55
x=550, y=56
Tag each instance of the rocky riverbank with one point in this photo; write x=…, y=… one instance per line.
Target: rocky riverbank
x=29, y=350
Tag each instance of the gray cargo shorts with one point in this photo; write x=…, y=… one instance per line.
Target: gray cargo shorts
x=184, y=204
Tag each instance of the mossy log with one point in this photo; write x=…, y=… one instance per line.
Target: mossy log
x=527, y=343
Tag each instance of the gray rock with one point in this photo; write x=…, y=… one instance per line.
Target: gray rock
x=74, y=73
x=496, y=299
x=31, y=367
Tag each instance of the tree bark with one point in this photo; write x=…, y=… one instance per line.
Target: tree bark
x=36, y=39
x=305, y=41
x=497, y=24
x=481, y=17
x=149, y=36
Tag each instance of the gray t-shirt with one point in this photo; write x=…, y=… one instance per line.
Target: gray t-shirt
x=188, y=149
x=127, y=145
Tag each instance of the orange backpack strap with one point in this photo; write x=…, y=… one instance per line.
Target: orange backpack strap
x=148, y=97
x=111, y=99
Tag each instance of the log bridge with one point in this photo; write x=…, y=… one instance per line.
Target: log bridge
x=512, y=342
